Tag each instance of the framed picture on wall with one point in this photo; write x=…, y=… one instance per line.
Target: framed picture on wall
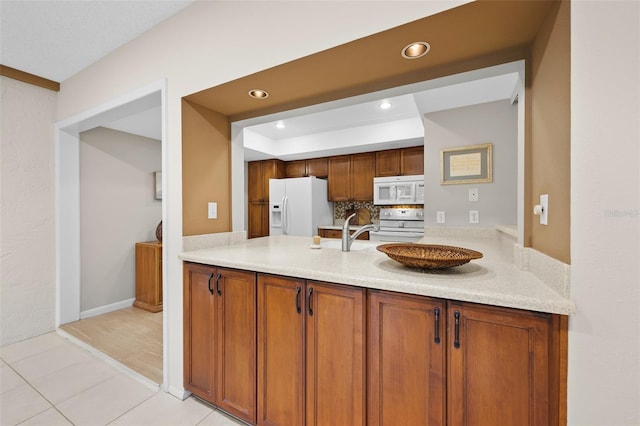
x=158, y=176
x=467, y=164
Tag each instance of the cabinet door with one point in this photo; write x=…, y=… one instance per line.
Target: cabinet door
x=318, y=167
x=412, y=161
x=294, y=169
x=236, y=332
x=362, y=171
x=258, y=219
x=335, y=355
x=388, y=162
x=406, y=356
x=280, y=351
x=199, y=330
x=272, y=169
x=255, y=185
x=340, y=178
x=498, y=366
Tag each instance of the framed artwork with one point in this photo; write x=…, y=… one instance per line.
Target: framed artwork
x=467, y=164
x=158, y=176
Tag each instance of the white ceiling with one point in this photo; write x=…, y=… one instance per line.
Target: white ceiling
x=56, y=39
x=406, y=106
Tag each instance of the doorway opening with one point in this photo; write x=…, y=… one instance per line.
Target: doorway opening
x=97, y=162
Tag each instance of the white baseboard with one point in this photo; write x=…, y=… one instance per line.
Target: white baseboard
x=107, y=308
x=178, y=392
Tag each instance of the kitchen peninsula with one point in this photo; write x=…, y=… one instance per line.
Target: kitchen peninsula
x=355, y=338
x=492, y=280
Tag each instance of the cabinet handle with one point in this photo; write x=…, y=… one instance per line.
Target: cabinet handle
x=436, y=314
x=218, y=284
x=298, y=309
x=456, y=332
x=309, y=308
x=209, y=283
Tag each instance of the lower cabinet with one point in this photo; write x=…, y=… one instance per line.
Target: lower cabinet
x=275, y=350
x=311, y=353
x=406, y=348
x=432, y=363
x=336, y=233
x=220, y=338
x=501, y=366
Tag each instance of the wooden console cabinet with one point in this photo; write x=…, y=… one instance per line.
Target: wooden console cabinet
x=149, y=276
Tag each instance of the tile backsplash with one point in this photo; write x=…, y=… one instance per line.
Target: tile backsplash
x=341, y=207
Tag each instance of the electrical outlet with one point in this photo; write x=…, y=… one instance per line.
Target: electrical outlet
x=473, y=194
x=474, y=216
x=440, y=217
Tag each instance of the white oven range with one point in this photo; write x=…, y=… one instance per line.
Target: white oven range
x=400, y=225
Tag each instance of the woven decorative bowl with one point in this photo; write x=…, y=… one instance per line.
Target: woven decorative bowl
x=428, y=256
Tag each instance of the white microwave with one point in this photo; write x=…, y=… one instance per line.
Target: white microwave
x=394, y=190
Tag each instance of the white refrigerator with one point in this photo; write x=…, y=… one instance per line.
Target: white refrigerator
x=298, y=206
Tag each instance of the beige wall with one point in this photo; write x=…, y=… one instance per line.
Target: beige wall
x=548, y=145
x=27, y=280
x=206, y=171
x=198, y=49
x=117, y=209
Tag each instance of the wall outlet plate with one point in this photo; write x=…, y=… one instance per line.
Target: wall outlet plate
x=212, y=210
x=474, y=216
x=473, y=194
x=440, y=217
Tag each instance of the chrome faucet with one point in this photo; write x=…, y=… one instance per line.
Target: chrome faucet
x=348, y=239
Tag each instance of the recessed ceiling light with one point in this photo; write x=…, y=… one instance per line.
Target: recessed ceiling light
x=385, y=105
x=416, y=50
x=258, y=94
x=280, y=125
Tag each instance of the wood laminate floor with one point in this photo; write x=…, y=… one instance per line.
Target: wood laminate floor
x=131, y=336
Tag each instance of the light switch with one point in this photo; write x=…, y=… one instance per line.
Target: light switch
x=440, y=217
x=542, y=209
x=213, y=211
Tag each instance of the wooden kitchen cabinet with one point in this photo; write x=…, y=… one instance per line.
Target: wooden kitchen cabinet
x=501, y=366
x=400, y=162
x=258, y=215
x=406, y=356
x=258, y=175
x=336, y=233
x=149, y=276
x=351, y=177
x=412, y=161
x=318, y=167
x=220, y=337
x=388, y=162
x=311, y=353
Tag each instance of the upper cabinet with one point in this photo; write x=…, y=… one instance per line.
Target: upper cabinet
x=318, y=167
x=412, y=161
x=258, y=180
x=351, y=177
x=400, y=162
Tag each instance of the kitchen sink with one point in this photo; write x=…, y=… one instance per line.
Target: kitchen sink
x=357, y=245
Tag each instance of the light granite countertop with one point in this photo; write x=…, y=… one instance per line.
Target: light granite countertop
x=492, y=280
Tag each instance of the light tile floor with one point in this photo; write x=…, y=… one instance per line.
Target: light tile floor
x=49, y=380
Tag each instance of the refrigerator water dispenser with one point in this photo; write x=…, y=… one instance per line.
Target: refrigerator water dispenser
x=276, y=216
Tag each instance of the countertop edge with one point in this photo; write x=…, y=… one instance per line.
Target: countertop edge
x=555, y=304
